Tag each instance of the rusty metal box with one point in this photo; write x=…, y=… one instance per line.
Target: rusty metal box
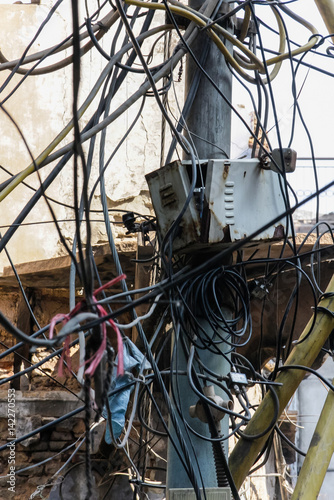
x=232, y=199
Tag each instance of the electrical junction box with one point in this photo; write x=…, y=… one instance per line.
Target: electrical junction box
x=189, y=494
x=232, y=199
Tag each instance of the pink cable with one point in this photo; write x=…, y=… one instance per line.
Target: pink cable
x=96, y=358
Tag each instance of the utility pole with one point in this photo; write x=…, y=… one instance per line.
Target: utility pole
x=226, y=215
x=209, y=124
x=209, y=119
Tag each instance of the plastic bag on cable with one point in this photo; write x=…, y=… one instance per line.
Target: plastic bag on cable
x=134, y=360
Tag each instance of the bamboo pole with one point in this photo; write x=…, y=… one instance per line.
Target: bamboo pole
x=326, y=9
x=246, y=451
x=318, y=455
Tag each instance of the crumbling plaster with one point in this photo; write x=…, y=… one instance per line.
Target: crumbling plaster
x=41, y=107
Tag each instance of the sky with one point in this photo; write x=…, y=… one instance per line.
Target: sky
x=316, y=103
x=315, y=100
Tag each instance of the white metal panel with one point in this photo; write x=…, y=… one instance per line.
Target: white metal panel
x=240, y=198
x=169, y=187
x=243, y=197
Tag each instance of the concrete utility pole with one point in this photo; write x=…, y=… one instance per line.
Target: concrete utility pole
x=209, y=123
x=210, y=116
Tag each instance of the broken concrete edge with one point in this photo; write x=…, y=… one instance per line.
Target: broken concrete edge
x=44, y=403
x=53, y=272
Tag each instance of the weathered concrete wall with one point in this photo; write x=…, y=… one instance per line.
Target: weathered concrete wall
x=41, y=107
x=34, y=410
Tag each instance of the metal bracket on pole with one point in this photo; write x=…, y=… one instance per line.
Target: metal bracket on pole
x=197, y=410
x=188, y=494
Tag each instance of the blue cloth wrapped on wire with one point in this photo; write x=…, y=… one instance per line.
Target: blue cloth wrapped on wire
x=118, y=398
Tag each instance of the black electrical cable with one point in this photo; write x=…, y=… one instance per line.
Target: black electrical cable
x=61, y=163
x=288, y=441
x=41, y=184
x=284, y=189
x=208, y=264
x=266, y=452
x=103, y=105
x=207, y=76
x=108, y=57
x=307, y=369
x=94, y=40
x=191, y=372
x=224, y=477
x=107, y=163
x=46, y=20
x=297, y=107
x=191, y=94
x=33, y=366
x=184, y=299
x=23, y=293
x=270, y=427
x=43, y=428
x=140, y=414
x=147, y=70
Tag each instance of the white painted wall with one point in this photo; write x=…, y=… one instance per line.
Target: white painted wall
x=42, y=106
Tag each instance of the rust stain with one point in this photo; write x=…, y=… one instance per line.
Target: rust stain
x=226, y=170
x=279, y=232
x=315, y=439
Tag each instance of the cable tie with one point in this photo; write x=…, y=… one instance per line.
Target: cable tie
x=208, y=25
x=323, y=310
x=326, y=295
x=102, y=26
x=321, y=41
x=141, y=377
x=137, y=481
x=330, y=51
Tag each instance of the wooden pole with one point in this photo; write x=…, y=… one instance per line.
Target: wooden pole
x=326, y=9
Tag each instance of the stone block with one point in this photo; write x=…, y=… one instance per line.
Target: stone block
x=20, y=480
x=36, y=480
x=47, y=420
x=25, y=425
x=49, y=404
x=40, y=446
x=61, y=436
x=39, y=456
x=57, y=445
x=3, y=425
x=79, y=428
x=22, y=459
x=52, y=467
x=66, y=425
